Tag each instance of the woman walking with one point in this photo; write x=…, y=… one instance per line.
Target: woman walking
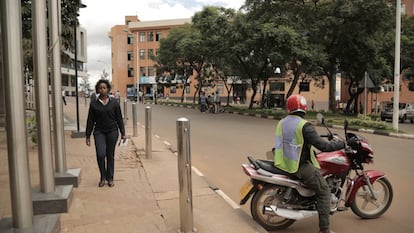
x=104, y=120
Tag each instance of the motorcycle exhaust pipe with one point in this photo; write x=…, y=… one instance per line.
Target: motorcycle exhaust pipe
x=290, y=214
x=267, y=210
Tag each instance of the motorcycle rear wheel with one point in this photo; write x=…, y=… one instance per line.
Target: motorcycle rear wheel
x=366, y=207
x=265, y=197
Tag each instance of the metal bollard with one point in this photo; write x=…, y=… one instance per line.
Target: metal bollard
x=125, y=112
x=134, y=119
x=184, y=176
x=148, y=133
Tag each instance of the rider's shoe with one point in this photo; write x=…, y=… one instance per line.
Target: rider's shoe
x=326, y=231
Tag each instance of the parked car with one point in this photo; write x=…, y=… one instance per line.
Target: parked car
x=406, y=112
x=132, y=94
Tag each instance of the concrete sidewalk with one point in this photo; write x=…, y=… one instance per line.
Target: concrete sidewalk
x=145, y=197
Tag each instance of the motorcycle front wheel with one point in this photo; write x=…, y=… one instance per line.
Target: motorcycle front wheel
x=268, y=195
x=365, y=206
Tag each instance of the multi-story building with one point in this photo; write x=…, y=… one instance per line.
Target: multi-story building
x=132, y=45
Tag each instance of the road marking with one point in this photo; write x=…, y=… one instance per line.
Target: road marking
x=227, y=199
x=167, y=144
x=195, y=170
x=156, y=135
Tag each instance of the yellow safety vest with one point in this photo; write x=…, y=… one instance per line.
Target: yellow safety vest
x=289, y=144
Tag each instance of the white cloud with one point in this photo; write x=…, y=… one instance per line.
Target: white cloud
x=99, y=16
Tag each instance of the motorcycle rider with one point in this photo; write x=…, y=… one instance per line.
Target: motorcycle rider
x=294, y=153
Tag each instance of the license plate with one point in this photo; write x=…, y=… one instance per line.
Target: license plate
x=245, y=189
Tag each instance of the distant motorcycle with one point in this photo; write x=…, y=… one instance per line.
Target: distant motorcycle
x=279, y=199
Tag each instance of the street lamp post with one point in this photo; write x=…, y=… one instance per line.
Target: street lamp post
x=77, y=133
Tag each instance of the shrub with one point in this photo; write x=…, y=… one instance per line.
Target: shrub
x=32, y=128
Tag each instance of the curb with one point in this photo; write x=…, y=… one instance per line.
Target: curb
x=236, y=207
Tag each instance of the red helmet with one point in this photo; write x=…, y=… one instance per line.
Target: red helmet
x=296, y=103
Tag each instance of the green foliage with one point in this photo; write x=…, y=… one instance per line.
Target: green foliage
x=69, y=12
x=32, y=128
x=309, y=39
x=407, y=45
x=359, y=122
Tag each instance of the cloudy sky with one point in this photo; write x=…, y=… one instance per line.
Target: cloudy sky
x=99, y=16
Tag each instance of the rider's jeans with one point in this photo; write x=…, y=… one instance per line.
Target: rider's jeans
x=312, y=177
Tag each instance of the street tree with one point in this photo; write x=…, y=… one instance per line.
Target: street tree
x=184, y=50
x=407, y=50
x=356, y=36
x=69, y=13
x=263, y=41
x=213, y=24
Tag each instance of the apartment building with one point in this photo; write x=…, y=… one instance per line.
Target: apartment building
x=132, y=45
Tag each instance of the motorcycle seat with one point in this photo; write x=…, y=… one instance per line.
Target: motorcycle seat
x=268, y=166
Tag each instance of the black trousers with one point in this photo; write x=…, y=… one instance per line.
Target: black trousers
x=312, y=177
x=105, y=152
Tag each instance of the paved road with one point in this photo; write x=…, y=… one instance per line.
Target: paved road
x=220, y=143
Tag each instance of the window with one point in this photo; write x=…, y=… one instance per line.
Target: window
x=65, y=80
x=142, y=54
x=173, y=89
x=304, y=86
x=277, y=86
x=156, y=52
x=130, y=71
x=388, y=87
x=150, y=36
x=150, y=71
x=130, y=39
x=142, y=37
x=142, y=71
x=130, y=55
x=158, y=36
x=150, y=53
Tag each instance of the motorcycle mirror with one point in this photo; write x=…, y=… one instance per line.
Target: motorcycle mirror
x=320, y=119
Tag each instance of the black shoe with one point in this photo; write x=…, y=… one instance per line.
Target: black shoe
x=111, y=183
x=101, y=183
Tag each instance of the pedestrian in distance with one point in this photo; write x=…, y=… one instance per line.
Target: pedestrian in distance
x=203, y=102
x=217, y=102
x=294, y=153
x=105, y=122
x=210, y=103
x=118, y=96
x=64, y=97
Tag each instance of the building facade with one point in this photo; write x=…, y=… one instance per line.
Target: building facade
x=68, y=69
x=132, y=46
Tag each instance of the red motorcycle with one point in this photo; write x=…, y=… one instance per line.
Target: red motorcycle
x=279, y=199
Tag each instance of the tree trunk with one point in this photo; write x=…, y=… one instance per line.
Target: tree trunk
x=332, y=86
x=254, y=87
x=263, y=94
